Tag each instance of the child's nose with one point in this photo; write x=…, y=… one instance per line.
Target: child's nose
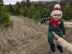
x=57, y=16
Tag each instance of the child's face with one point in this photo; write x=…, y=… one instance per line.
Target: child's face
x=57, y=16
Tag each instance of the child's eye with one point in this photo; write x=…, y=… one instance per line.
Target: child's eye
x=57, y=15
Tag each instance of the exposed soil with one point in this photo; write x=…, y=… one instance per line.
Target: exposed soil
x=27, y=37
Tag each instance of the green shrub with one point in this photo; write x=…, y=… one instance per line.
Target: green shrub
x=16, y=10
x=67, y=13
x=24, y=11
x=45, y=13
x=39, y=11
x=4, y=17
x=36, y=15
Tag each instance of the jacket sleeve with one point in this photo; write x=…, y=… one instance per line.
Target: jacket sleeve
x=62, y=28
x=65, y=44
x=43, y=20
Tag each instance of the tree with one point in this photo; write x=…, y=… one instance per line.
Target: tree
x=1, y=2
x=63, y=4
x=10, y=8
x=18, y=4
x=68, y=2
x=22, y=4
x=28, y=2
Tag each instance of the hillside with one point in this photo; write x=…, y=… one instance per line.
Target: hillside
x=26, y=37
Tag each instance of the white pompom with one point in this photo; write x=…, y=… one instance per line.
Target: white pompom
x=57, y=6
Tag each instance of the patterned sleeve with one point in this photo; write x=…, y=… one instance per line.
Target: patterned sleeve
x=43, y=20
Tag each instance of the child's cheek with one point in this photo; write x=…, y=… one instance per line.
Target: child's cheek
x=59, y=17
x=54, y=17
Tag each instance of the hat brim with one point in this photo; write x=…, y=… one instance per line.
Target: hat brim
x=56, y=12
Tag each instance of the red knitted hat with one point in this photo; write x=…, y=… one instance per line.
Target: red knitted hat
x=56, y=10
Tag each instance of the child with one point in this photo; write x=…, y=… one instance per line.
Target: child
x=55, y=24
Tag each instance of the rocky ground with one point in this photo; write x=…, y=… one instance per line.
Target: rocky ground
x=27, y=37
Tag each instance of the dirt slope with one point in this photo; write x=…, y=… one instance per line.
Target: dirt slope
x=26, y=37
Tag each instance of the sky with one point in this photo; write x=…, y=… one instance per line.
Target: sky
x=14, y=1
x=10, y=1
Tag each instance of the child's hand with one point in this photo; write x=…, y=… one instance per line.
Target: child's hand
x=64, y=36
x=55, y=35
x=39, y=23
